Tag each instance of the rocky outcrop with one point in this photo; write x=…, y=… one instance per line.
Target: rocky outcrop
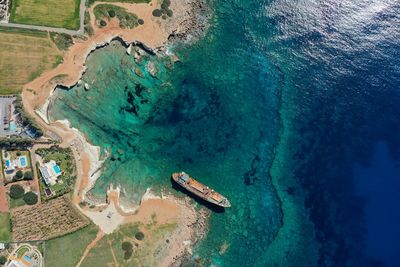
x=191, y=24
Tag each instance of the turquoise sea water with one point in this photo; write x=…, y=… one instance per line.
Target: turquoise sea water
x=272, y=108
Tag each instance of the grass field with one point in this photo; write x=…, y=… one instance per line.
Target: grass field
x=5, y=231
x=24, y=55
x=66, y=251
x=91, y=2
x=52, y=13
x=143, y=253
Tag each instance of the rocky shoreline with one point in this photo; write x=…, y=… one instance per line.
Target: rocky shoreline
x=197, y=228
x=193, y=23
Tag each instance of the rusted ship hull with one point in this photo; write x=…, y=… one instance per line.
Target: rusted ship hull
x=200, y=190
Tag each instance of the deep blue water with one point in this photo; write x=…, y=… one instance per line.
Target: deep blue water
x=274, y=107
x=379, y=184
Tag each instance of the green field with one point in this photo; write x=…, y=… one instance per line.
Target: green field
x=24, y=55
x=5, y=231
x=101, y=253
x=66, y=251
x=52, y=13
x=143, y=250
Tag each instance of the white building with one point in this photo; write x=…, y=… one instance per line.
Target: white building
x=50, y=171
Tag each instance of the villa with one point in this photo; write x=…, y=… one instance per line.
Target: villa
x=18, y=163
x=50, y=171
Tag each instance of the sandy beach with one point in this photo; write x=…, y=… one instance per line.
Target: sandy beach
x=154, y=34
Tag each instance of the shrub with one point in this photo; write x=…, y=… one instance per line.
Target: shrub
x=103, y=23
x=111, y=13
x=62, y=40
x=157, y=13
x=140, y=21
x=164, y=17
x=28, y=175
x=15, y=142
x=128, y=254
x=16, y=191
x=167, y=2
x=164, y=6
x=127, y=247
x=19, y=174
x=139, y=236
x=18, y=153
x=3, y=260
x=30, y=198
x=169, y=13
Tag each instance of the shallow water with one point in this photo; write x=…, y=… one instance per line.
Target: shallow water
x=272, y=108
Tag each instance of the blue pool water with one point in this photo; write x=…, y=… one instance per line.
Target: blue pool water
x=57, y=169
x=27, y=258
x=22, y=160
x=8, y=163
x=13, y=126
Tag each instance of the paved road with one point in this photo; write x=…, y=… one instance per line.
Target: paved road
x=82, y=8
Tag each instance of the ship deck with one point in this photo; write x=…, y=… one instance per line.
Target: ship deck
x=205, y=190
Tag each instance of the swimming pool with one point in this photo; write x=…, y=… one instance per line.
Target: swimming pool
x=22, y=160
x=27, y=258
x=13, y=126
x=8, y=163
x=56, y=169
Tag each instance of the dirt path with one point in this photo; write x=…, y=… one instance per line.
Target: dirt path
x=3, y=199
x=113, y=254
x=99, y=236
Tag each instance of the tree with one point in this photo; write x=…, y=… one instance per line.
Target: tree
x=127, y=247
x=139, y=236
x=30, y=198
x=111, y=13
x=140, y=21
x=3, y=260
x=16, y=191
x=164, y=6
x=18, y=175
x=103, y=23
x=169, y=13
x=28, y=175
x=157, y=13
